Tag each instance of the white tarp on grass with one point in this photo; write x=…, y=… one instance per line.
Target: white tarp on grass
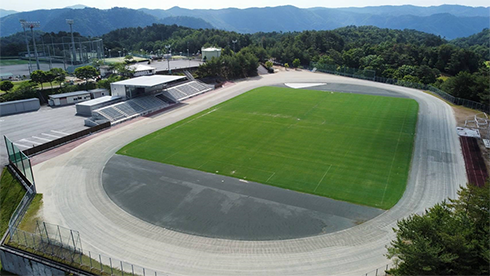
x=468, y=132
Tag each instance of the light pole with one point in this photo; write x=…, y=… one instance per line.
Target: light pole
x=70, y=22
x=33, y=25
x=234, y=42
x=23, y=24
x=110, y=53
x=168, y=57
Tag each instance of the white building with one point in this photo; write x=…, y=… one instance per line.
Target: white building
x=134, y=87
x=209, y=53
x=68, y=98
x=142, y=70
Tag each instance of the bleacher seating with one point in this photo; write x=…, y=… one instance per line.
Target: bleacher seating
x=187, y=90
x=146, y=104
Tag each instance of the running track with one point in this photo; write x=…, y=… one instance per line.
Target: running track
x=74, y=198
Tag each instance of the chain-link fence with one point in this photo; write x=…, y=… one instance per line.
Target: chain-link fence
x=64, y=245
x=380, y=271
x=371, y=75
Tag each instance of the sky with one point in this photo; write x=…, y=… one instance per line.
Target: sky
x=27, y=5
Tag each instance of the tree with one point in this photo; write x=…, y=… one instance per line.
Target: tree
x=286, y=65
x=49, y=77
x=449, y=239
x=296, y=63
x=268, y=64
x=128, y=59
x=60, y=75
x=39, y=77
x=6, y=85
x=86, y=73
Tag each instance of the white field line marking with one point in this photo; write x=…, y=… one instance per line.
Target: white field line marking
x=31, y=142
x=20, y=145
x=322, y=178
x=60, y=132
x=50, y=135
x=45, y=139
x=270, y=177
x=393, y=160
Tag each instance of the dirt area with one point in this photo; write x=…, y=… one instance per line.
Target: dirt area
x=462, y=114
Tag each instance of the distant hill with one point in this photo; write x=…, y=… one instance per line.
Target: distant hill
x=91, y=21
x=6, y=12
x=449, y=21
x=79, y=6
x=456, y=10
x=482, y=38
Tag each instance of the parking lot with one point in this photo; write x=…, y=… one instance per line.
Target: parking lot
x=34, y=128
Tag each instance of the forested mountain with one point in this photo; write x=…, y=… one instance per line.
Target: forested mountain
x=449, y=21
x=456, y=10
x=91, y=21
x=406, y=55
x=6, y=12
x=481, y=38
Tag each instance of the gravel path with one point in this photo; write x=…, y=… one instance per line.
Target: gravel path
x=74, y=197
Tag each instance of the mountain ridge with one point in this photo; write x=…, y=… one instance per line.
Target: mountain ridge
x=449, y=21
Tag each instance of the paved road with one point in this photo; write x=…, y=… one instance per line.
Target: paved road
x=74, y=197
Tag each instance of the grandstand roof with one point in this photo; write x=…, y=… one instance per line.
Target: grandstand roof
x=150, y=81
x=100, y=100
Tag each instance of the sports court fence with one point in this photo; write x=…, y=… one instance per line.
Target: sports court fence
x=380, y=271
x=64, y=245
x=371, y=75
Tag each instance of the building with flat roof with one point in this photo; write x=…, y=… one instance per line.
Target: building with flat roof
x=86, y=108
x=209, y=53
x=142, y=70
x=68, y=98
x=135, y=87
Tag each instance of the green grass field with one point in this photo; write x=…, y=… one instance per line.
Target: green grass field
x=350, y=147
x=6, y=62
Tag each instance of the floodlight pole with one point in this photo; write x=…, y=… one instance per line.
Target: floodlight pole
x=168, y=57
x=70, y=22
x=33, y=25
x=22, y=23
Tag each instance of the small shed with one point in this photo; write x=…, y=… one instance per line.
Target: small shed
x=20, y=106
x=68, y=98
x=209, y=53
x=99, y=92
x=86, y=108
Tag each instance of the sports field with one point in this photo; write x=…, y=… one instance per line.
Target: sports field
x=350, y=147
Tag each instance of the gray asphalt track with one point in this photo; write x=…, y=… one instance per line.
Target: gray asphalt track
x=211, y=205
x=74, y=197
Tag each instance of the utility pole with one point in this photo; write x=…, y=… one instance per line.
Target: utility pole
x=23, y=24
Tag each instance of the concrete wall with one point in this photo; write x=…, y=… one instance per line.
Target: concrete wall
x=22, y=266
x=20, y=106
x=118, y=90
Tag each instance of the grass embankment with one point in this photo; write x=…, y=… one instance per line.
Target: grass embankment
x=350, y=147
x=11, y=193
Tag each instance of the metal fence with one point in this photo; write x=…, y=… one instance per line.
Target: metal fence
x=371, y=75
x=64, y=245
x=380, y=271
x=21, y=162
